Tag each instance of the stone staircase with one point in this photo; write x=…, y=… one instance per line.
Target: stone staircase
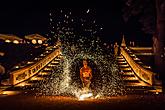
x=30, y=84
x=133, y=84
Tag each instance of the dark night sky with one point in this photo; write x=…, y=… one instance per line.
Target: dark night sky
x=29, y=17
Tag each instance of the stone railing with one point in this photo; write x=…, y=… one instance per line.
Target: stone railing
x=29, y=71
x=145, y=75
x=141, y=48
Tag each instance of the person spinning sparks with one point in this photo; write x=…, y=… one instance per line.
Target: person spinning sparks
x=86, y=75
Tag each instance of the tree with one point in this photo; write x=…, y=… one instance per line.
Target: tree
x=151, y=14
x=160, y=36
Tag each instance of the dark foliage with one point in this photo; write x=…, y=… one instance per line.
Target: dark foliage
x=145, y=10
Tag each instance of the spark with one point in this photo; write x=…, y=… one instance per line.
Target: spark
x=85, y=96
x=88, y=11
x=64, y=76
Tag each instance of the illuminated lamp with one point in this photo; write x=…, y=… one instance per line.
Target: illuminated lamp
x=16, y=66
x=45, y=44
x=34, y=41
x=8, y=41
x=39, y=41
x=16, y=42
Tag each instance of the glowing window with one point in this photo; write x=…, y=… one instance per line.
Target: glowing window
x=34, y=41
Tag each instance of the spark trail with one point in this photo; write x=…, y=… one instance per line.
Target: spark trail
x=65, y=79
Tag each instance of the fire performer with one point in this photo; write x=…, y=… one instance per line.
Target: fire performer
x=86, y=75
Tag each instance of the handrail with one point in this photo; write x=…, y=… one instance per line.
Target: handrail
x=29, y=71
x=143, y=74
x=141, y=48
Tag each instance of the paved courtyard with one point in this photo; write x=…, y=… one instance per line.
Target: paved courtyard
x=128, y=102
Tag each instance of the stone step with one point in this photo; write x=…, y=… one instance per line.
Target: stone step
x=44, y=75
x=57, y=59
x=51, y=65
x=120, y=56
x=121, y=59
x=47, y=68
x=44, y=72
x=128, y=73
x=127, y=81
x=141, y=87
x=130, y=78
x=34, y=81
x=128, y=68
x=136, y=59
x=55, y=62
x=132, y=84
x=124, y=66
x=36, y=78
x=23, y=84
x=136, y=84
x=122, y=63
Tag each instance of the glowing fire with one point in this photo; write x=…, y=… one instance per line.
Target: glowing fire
x=85, y=96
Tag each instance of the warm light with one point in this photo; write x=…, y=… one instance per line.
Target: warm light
x=47, y=68
x=39, y=41
x=42, y=55
x=60, y=53
x=54, y=46
x=35, y=58
x=34, y=41
x=16, y=66
x=146, y=66
x=132, y=55
x=2, y=54
x=131, y=78
x=122, y=62
x=8, y=41
x=45, y=44
x=49, y=48
x=121, y=59
x=125, y=68
x=51, y=65
x=36, y=78
x=29, y=62
x=136, y=59
x=55, y=62
x=23, y=84
x=16, y=42
x=57, y=59
x=97, y=96
x=124, y=65
x=10, y=92
x=84, y=96
x=43, y=73
x=47, y=51
x=128, y=73
x=60, y=56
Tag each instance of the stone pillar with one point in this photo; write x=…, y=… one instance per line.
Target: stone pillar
x=123, y=44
